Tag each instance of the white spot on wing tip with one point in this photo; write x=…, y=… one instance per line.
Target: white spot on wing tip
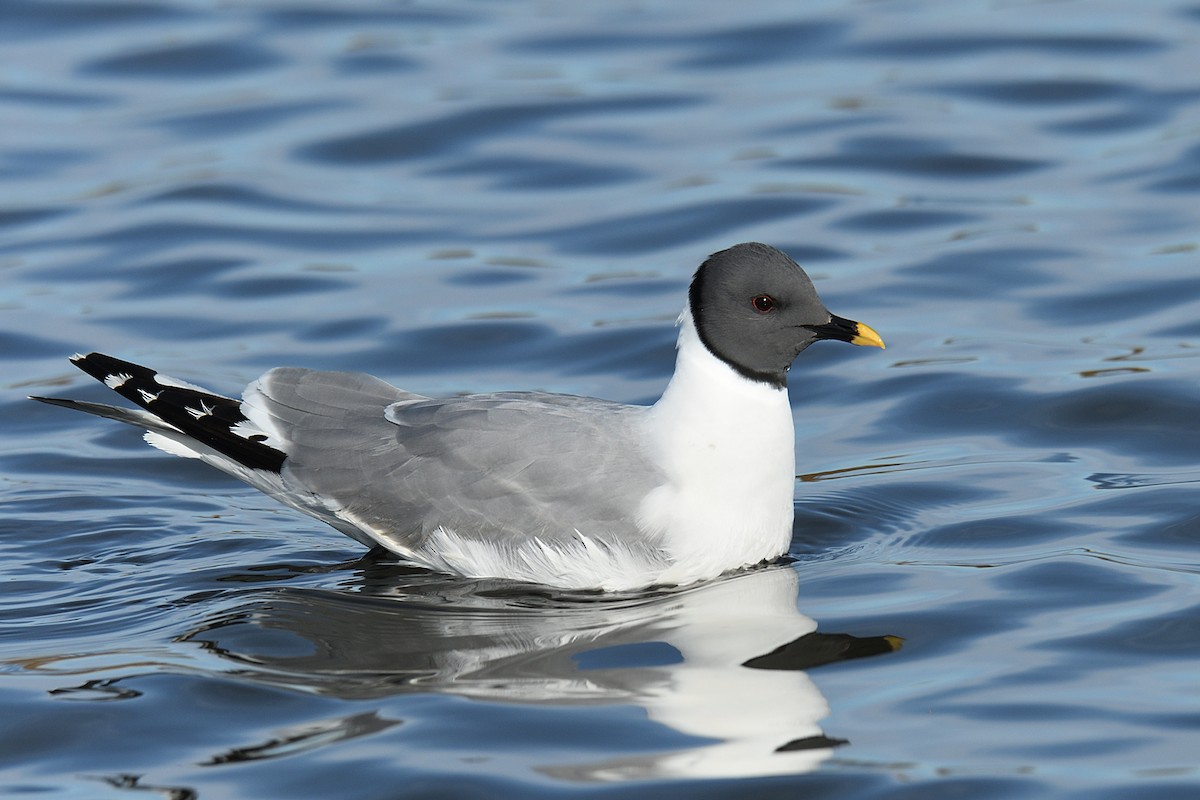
x=175, y=383
x=248, y=430
x=203, y=411
x=75, y=359
x=116, y=380
x=148, y=397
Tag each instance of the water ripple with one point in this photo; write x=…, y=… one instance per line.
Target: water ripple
x=192, y=61
x=517, y=173
x=240, y=118
x=649, y=231
x=466, y=197
x=31, y=18
x=971, y=44
x=925, y=157
x=458, y=129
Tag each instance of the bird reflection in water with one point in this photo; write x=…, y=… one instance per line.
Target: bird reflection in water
x=724, y=661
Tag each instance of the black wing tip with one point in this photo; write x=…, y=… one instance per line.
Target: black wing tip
x=101, y=366
x=174, y=403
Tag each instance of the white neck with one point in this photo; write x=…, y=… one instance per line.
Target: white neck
x=727, y=445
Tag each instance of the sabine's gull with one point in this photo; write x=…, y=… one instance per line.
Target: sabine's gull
x=566, y=491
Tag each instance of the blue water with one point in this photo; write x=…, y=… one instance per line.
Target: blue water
x=993, y=586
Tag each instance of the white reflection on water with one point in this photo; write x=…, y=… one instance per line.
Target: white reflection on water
x=724, y=662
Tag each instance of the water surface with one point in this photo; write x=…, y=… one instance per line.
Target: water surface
x=992, y=587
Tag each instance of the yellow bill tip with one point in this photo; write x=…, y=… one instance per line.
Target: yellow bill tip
x=866, y=335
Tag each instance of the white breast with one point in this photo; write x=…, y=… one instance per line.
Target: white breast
x=727, y=445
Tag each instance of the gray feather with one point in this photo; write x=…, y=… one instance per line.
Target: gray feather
x=500, y=467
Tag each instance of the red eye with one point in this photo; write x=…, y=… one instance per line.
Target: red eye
x=763, y=304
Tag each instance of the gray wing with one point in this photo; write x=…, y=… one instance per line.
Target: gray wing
x=498, y=467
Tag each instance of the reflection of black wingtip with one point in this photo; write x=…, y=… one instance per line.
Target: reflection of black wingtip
x=815, y=649
x=818, y=742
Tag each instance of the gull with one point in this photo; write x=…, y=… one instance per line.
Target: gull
x=552, y=489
